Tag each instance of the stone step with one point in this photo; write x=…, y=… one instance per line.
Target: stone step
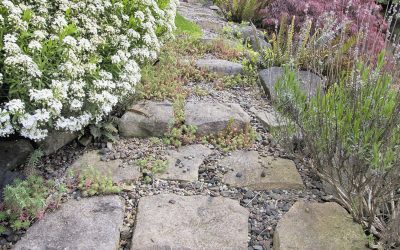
x=149, y=118
x=111, y=168
x=190, y=222
x=309, y=82
x=312, y=225
x=184, y=163
x=249, y=169
x=92, y=223
x=269, y=118
x=218, y=66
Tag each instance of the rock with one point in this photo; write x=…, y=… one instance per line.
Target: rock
x=309, y=82
x=85, y=140
x=92, y=223
x=212, y=118
x=187, y=158
x=311, y=225
x=269, y=119
x=56, y=140
x=215, y=8
x=222, y=67
x=14, y=153
x=147, y=119
x=255, y=37
x=108, y=168
x=279, y=173
x=193, y=222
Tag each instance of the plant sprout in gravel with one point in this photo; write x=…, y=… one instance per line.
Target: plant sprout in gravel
x=66, y=64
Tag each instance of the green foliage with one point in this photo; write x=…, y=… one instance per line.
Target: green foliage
x=35, y=157
x=91, y=182
x=352, y=135
x=180, y=133
x=184, y=26
x=150, y=163
x=105, y=130
x=241, y=10
x=232, y=138
x=24, y=201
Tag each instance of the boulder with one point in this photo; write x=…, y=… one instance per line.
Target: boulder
x=147, y=119
x=56, y=140
x=111, y=168
x=14, y=153
x=269, y=118
x=219, y=66
x=212, y=118
x=309, y=82
x=92, y=223
x=254, y=37
x=170, y=221
x=315, y=226
x=248, y=169
x=184, y=163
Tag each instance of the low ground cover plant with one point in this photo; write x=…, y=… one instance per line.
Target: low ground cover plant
x=66, y=64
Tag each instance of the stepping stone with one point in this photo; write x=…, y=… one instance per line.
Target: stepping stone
x=56, y=140
x=184, y=163
x=222, y=67
x=269, y=119
x=147, y=119
x=250, y=170
x=309, y=82
x=315, y=226
x=112, y=168
x=190, y=222
x=91, y=223
x=212, y=118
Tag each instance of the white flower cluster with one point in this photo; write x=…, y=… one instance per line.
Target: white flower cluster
x=66, y=64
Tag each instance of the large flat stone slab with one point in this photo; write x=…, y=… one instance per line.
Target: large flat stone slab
x=190, y=222
x=218, y=66
x=250, y=170
x=92, y=223
x=112, y=168
x=309, y=82
x=212, y=118
x=315, y=226
x=184, y=163
x=147, y=119
x=269, y=119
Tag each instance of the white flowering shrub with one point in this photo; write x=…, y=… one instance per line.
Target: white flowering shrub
x=65, y=64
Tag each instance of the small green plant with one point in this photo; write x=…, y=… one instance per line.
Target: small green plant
x=105, y=130
x=184, y=26
x=35, y=157
x=150, y=163
x=180, y=133
x=241, y=10
x=27, y=200
x=91, y=182
x=232, y=138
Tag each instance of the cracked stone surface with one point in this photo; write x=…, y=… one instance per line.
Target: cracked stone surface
x=219, y=66
x=147, y=119
x=211, y=118
x=314, y=226
x=91, y=223
x=112, y=168
x=248, y=169
x=190, y=222
x=183, y=163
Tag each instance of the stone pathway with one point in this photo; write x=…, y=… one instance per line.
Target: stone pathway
x=205, y=198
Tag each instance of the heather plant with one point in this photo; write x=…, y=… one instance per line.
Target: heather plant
x=66, y=64
x=351, y=135
x=353, y=16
